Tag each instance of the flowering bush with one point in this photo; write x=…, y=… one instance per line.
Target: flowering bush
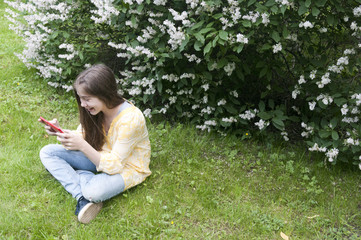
x=290, y=66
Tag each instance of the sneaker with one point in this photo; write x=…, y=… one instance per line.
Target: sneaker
x=86, y=210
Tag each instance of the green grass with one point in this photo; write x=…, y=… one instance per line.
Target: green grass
x=203, y=186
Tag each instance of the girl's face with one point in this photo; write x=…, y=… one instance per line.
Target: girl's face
x=91, y=103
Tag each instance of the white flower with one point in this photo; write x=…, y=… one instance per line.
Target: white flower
x=326, y=99
x=192, y=58
x=105, y=10
x=210, y=123
x=301, y=80
x=160, y=2
x=265, y=19
x=308, y=132
x=222, y=102
x=295, y=92
x=234, y=94
x=357, y=11
x=349, y=51
x=344, y=109
x=193, y=3
x=147, y=113
x=317, y=148
x=357, y=97
x=229, y=120
x=313, y=74
x=342, y=61
x=205, y=87
x=207, y=110
x=261, y=124
x=176, y=34
x=277, y=47
x=249, y=114
x=241, y=38
x=229, y=68
x=351, y=141
x=350, y=119
x=335, y=68
x=252, y=16
x=306, y=25
x=332, y=154
x=312, y=105
x=355, y=110
x=283, y=2
x=285, y=136
x=292, y=37
x=325, y=79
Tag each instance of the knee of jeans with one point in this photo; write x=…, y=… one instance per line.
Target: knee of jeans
x=47, y=151
x=93, y=195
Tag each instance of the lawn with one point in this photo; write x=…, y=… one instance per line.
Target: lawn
x=203, y=186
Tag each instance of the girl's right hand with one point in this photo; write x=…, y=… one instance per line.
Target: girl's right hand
x=48, y=129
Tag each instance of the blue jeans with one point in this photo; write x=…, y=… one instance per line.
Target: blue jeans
x=78, y=174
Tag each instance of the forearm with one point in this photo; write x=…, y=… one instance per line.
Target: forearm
x=91, y=153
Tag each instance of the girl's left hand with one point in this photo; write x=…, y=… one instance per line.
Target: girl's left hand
x=70, y=140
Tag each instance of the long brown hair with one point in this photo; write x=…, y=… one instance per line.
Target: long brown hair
x=98, y=81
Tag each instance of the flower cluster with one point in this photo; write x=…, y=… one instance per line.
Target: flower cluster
x=104, y=11
x=308, y=132
x=261, y=124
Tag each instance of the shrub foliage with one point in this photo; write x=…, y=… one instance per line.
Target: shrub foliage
x=273, y=65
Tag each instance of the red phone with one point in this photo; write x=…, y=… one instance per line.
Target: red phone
x=55, y=128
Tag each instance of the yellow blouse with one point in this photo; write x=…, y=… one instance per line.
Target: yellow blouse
x=127, y=148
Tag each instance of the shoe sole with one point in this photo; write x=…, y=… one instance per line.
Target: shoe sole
x=89, y=212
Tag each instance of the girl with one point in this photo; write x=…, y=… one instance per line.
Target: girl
x=110, y=150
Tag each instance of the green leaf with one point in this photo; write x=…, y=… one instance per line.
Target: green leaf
x=184, y=43
x=250, y=2
x=197, y=25
x=334, y=122
x=221, y=63
x=285, y=32
x=340, y=101
x=283, y=9
x=246, y=23
x=261, y=106
x=315, y=11
x=207, y=75
x=263, y=72
x=271, y=103
x=302, y=10
x=270, y=3
x=199, y=37
x=275, y=36
x=278, y=123
x=240, y=48
x=218, y=15
x=230, y=109
x=197, y=45
x=335, y=135
x=330, y=19
x=264, y=115
x=320, y=3
x=159, y=86
x=324, y=133
x=223, y=35
x=205, y=30
x=308, y=3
